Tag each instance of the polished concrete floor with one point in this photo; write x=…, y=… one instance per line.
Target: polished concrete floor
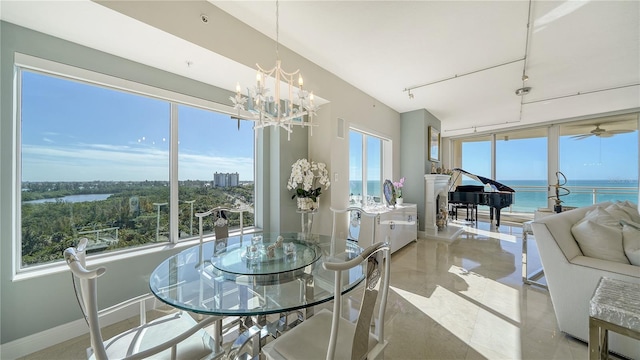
x=454, y=299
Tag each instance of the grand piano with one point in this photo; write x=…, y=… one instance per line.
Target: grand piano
x=500, y=197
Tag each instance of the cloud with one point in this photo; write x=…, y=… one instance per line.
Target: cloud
x=87, y=162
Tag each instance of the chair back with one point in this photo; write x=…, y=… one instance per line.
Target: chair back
x=88, y=294
x=220, y=221
x=376, y=288
x=356, y=214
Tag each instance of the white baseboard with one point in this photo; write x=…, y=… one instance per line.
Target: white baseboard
x=44, y=339
x=56, y=335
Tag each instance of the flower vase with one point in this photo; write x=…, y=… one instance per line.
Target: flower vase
x=399, y=201
x=307, y=204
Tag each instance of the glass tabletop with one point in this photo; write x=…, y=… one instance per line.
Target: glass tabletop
x=255, y=274
x=266, y=254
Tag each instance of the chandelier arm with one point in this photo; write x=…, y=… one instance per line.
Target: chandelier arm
x=273, y=110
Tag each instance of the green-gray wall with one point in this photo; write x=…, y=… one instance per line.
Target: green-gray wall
x=414, y=162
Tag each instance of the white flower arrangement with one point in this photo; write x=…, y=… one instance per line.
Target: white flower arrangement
x=305, y=176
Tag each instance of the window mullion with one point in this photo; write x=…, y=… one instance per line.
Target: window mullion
x=364, y=169
x=174, y=211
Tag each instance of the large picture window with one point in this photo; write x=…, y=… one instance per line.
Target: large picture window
x=215, y=167
x=521, y=164
x=365, y=168
x=598, y=157
x=95, y=163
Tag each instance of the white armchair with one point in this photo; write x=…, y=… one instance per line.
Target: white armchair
x=572, y=277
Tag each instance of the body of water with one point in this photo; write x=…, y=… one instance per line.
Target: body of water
x=532, y=194
x=72, y=198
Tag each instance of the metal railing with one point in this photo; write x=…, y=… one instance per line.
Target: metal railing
x=530, y=198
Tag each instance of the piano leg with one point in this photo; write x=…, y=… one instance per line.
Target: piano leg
x=497, y=217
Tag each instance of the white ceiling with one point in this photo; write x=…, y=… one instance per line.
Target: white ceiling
x=582, y=57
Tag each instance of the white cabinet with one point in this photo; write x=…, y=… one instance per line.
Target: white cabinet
x=399, y=223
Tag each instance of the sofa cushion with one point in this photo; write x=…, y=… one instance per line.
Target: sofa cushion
x=599, y=235
x=623, y=210
x=631, y=241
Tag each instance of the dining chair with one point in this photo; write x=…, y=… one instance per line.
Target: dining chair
x=220, y=221
x=172, y=336
x=327, y=335
x=356, y=215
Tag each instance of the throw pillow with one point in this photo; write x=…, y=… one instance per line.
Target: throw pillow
x=631, y=241
x=619, y=212
x=599, y=235
x=629, y=208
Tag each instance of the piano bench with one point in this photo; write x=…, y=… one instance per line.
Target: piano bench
x=472, y=207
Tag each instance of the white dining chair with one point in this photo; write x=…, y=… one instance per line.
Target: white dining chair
x=327, y=335
x=220, y=221
x=173, y=336
x=354, y=229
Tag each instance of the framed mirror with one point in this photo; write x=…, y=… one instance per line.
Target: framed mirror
x=434, y=144
x=389, y=192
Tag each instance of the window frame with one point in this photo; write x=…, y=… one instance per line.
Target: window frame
x=51, y=68
x=385, y=160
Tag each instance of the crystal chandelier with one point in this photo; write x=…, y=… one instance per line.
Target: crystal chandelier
x=274, y=110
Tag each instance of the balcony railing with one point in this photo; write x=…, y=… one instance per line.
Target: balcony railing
x=529, y=198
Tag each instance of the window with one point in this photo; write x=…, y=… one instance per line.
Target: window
x=95, y=163
x=521, y=164
x=215, y=167
x=602, y=167
x=599, y=158
x=476, y=157
x=365, y=162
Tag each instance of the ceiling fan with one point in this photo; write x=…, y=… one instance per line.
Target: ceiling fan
x=600, y=132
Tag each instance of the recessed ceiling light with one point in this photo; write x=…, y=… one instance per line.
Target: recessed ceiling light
x=523, y=91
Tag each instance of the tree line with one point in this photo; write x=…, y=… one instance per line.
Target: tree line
x=131, y=214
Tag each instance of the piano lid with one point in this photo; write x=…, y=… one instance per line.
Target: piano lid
x=494, y=184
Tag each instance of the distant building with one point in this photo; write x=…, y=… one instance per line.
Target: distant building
x=226, y=179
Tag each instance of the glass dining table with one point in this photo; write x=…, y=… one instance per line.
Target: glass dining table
x=254, y=275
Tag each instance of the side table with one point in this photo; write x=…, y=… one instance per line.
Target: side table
x=529, y=279
x=615, y=306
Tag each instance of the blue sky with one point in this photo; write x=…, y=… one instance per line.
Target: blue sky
x=593, y=158
x=77, y=132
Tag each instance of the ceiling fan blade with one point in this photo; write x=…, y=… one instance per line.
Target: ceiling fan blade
x=580, y=137
x=615, y=132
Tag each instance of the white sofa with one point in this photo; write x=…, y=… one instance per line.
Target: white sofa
x=572, y=277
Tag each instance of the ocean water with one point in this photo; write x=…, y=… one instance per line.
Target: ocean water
x=373, y=187
x=532, y=194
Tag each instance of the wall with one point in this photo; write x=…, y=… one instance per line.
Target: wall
x=415, y=162
x=34, y=305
